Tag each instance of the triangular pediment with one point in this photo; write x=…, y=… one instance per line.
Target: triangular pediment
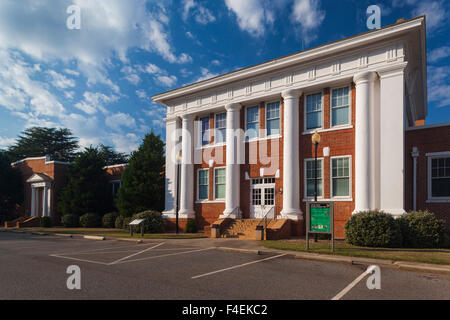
x=39, y=177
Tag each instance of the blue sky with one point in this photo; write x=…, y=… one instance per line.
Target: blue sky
x=97, y=81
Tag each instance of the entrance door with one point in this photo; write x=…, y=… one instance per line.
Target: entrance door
x=262, y=197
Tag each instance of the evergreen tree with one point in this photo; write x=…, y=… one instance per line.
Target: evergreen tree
x=112, y=157
x=11, y=188
x=59, y=144
x=142, y=181
x=87, y=188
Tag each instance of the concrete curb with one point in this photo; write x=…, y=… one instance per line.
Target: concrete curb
x=63, y=235
x=94, y=237
x=228, y=249
x=422, y=267
x=127, y=240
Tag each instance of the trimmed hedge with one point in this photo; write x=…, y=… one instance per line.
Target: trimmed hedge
x=126, y=221
x=90, y=220
x=191, y=226
x=119, y=222
x=109, y=220
x=421, y=229
x=45, y=222
x=70, y=220
x=373, y=229
x=153, y=221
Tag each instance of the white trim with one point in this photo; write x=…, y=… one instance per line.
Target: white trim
x=209, y=201
x=329, y=199
x=214, y=182
x=116, y=166
x=438, y=154
x=275, y=135
x=350, y=165
x=327, y=130
x=198, y=185
x=305, y=95
x=431, y=156
x=305, y=184
x=350, y=106
x=46, y=158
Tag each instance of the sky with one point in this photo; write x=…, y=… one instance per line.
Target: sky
x=97, y=80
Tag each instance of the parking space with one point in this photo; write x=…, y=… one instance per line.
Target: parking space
x=34, y=267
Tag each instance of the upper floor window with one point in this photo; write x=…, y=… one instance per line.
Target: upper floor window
x=205, y=131
x=273, y=118
x=314, y=111
x=440, y=177
x=310, y=178
x=340, y=107
x=253, y=122
x=340, y=177
x=221, y=128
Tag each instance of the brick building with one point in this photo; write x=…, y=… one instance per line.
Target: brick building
x=43, y=179
x=245, y=137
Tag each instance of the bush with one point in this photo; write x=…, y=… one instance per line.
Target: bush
x=119, y=222
x=109, y=219
x=422, y=229
x=153, y=221
x=373, y=229
x=191, y=226
x=46, y=222
x=70, y=221
x=126, y=222
x=90, y=220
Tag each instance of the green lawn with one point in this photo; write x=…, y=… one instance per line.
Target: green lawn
x=114, y=233
x=436, y=256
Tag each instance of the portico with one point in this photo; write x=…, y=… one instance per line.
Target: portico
x=41, y=193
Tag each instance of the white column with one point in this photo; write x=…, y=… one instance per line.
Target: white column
x=33, y=201
x=363, y=158
x=291, y=157
x=392, y=139
x=187, y=169
x=233, y=167
x=49, y=204
x=44, y=202
x=172, y=149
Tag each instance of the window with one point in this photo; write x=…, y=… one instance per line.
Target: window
x=340, y=177
x=253, y=122
x=116, y=184
x=221, y=128
x=340, y=107
x=203, y=184
x=314, y=111
x=440, y=177
x=256, y=197
x=219, y=183
x=310, y=179
x=273, y=118
x=204, y=131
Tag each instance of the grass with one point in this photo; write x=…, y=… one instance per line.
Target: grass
x=436, y=256
x=118, y=233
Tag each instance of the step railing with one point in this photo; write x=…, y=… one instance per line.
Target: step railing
x=268, y=217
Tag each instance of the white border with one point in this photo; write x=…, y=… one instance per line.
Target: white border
x=198, y=185
x=305, y=191
x=272, y=136
x=350, y=106
x=431, y=156
x=349, y=197
x=214, y=182
x=306, y=94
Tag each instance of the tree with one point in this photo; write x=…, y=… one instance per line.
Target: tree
x=59, y=144
x=142, y=182
x=87, y=189
x=112, y=157
x=11, y=188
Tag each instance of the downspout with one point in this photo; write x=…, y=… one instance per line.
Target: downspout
x=415, y=155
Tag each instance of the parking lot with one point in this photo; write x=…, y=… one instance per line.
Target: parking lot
x=34, y=267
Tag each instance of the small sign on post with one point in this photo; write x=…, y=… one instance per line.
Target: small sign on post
x=137, y=222
x=320, y=219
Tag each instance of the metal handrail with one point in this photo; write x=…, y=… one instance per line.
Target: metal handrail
x=265, y=221
x=239, y=210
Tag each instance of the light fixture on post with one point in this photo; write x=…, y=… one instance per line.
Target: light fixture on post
x=179, y=158
x=315, y=139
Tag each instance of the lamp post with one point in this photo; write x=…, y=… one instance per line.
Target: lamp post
x=315, y=140
x=179, y=157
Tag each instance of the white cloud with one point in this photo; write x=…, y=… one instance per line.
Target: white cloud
x=206, y=74
x=439, y=53
x=141, y=94
x=72, y=72
x=251, y=15
x=435, y=12
x=153, y=69
x=439, y=85
x=94, y=101
x=168, y=81
x=307, y=14
x=201, y=14
x=160, y=75
x=125, y=143
x=118, y=120
x=60, y=81
x=6, y=142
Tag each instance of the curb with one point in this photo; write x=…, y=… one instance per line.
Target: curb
x=228, y=249
x=94, y=237
x=63, y=235
x=126, y=239
x=410, y=266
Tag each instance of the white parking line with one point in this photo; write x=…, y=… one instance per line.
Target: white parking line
x=166, y=255
x=238, y=266
x=76, y=259
x=135, y=254
x=351, y=285
x=99, y=249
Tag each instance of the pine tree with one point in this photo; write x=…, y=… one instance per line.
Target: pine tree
x=142, y=182
x=111, y=156
x=87, y=189
x=11, y=188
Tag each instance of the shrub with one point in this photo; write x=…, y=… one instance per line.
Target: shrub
x=126, y=222
x=153, y=221
x=46, y=222
x=191, y=226
x=70, y=221
x=119, y=222
x=373, y=229
x=422, y=229
x=109, y=219
x=90, y=220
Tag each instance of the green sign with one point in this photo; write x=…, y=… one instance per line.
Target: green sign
x=320, y=218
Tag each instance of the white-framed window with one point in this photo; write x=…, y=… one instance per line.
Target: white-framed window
x=220, y=135
x=204, y=131
x=313, y=111
x=116, y=185
x=273, y=123
x=439, y=177
x=203, y=184
x=219, y=183
x=252, y=120
x=340, y=106
x=310, y=178
x=341, y=177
